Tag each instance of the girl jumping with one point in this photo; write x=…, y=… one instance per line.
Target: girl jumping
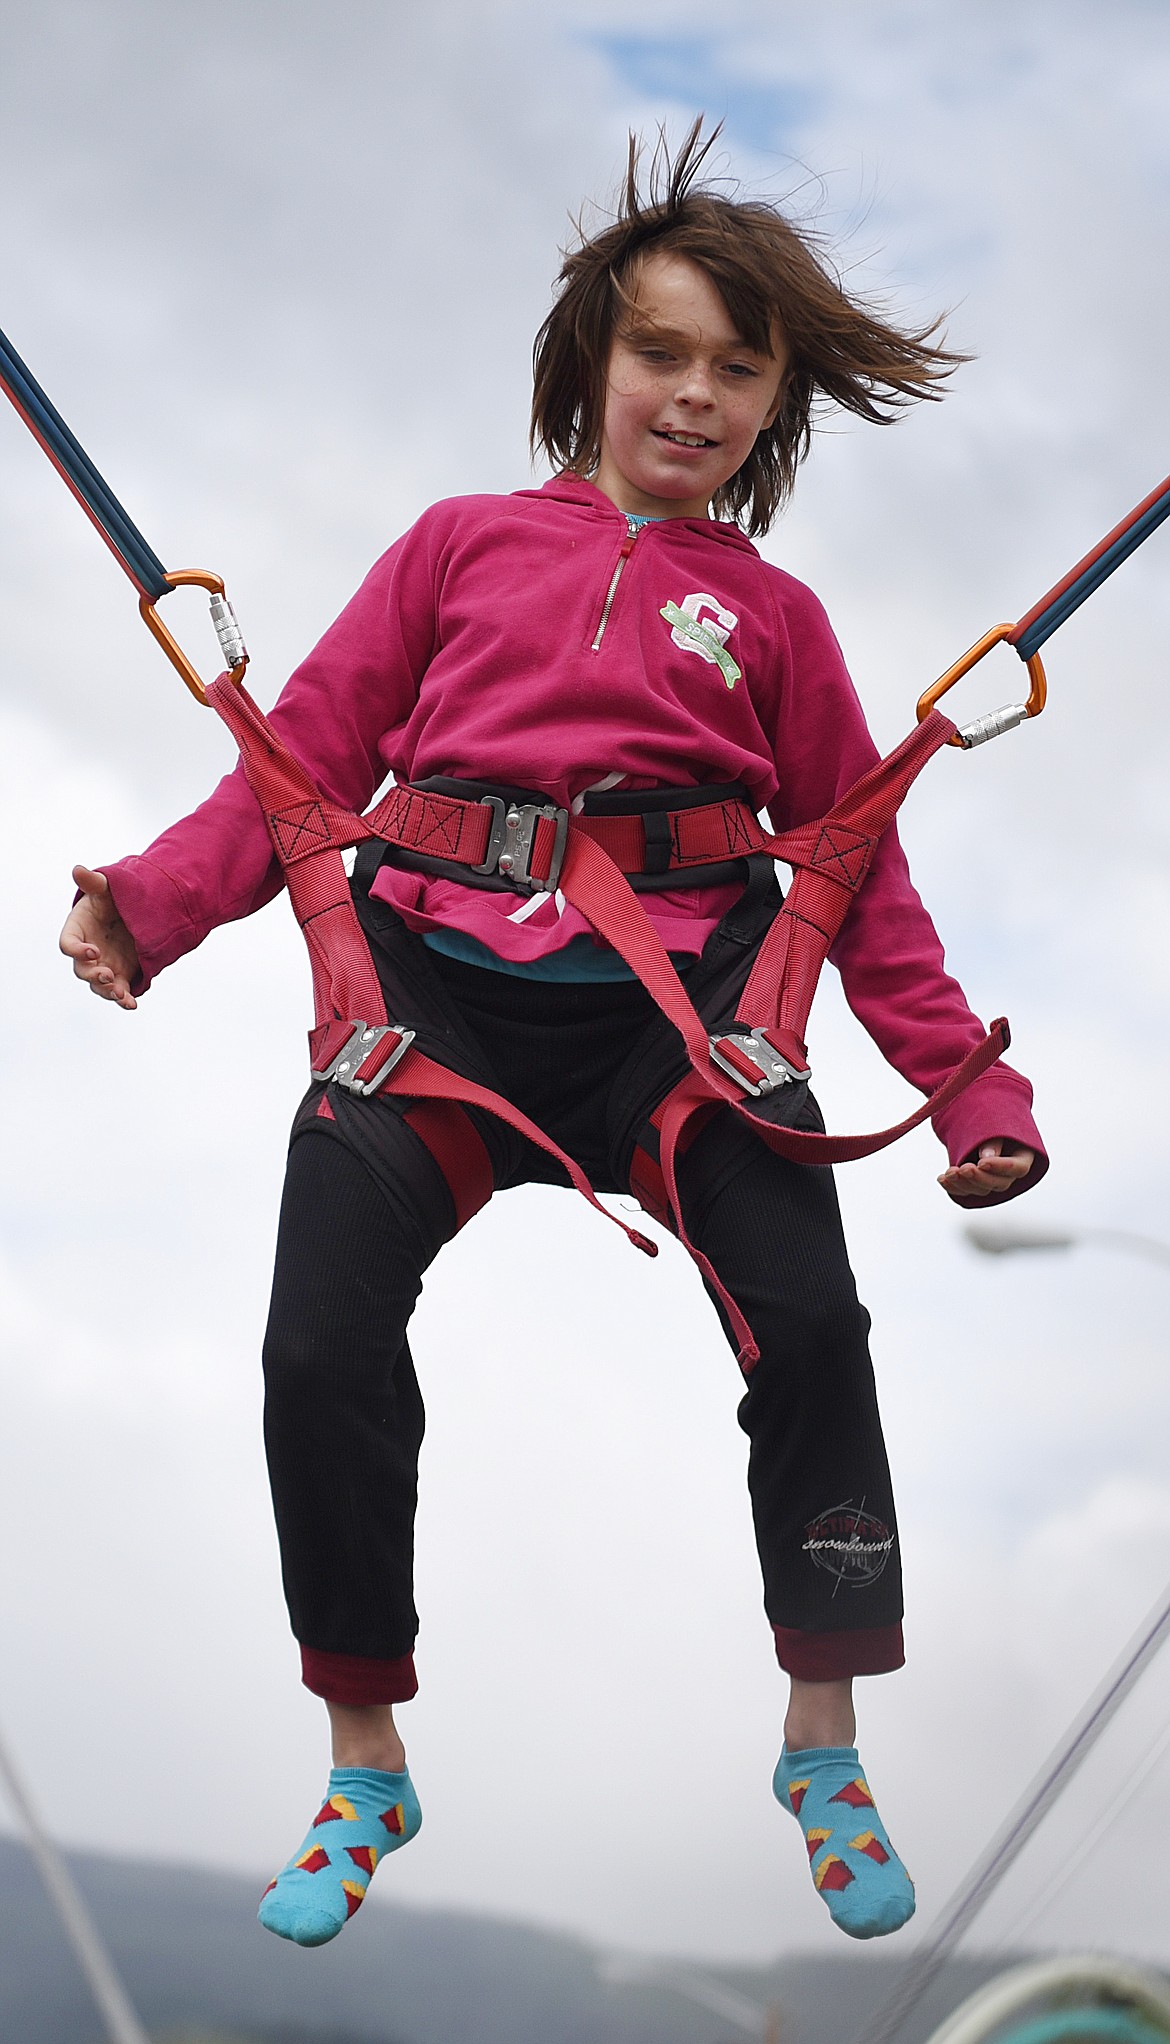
x=605, y=657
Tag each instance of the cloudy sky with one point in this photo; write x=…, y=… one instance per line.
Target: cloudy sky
x=280, y=266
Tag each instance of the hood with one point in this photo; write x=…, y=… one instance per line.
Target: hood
x=571, y=489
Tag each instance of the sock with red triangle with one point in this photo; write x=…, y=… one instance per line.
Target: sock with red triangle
x=855, y=1869
x=365, y=1815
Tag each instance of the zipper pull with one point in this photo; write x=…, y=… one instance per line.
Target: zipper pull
x=624, y=552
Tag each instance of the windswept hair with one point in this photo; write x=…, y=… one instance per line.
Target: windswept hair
x=766, y=270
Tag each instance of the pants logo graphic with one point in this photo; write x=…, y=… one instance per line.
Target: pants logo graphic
x=850, y=1543
x=705, y=635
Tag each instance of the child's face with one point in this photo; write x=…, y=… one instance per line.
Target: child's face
x=685, y=396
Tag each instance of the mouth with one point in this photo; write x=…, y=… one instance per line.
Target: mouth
x=696, y=441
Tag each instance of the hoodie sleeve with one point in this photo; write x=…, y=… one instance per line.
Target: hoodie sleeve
x=888, y=952
x=338, y=715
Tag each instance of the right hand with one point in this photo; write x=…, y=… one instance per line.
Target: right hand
x=104, y=953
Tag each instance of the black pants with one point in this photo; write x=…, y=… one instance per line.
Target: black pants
x=365, y=1211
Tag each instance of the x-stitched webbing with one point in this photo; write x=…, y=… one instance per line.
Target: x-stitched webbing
x=441, y=826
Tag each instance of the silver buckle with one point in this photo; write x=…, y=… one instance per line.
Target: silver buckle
x=774, y=1069
x=510, y=843
x=357, y=1067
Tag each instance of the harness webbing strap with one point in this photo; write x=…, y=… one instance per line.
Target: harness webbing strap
x=459, y=1151
x=831, y=857
x=707, y=834
x=677, y=1121
x=419, y=1077
x=603, y=895
x=441, y=826
x=808, y=1146
x=309, y=834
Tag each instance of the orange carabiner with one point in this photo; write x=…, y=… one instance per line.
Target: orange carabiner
x=200, y=578
x=1038, y=685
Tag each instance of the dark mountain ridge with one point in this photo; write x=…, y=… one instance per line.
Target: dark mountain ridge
x=198, y=1967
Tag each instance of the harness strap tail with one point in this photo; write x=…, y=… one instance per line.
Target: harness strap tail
x=679, y=1118
x=419, y=1078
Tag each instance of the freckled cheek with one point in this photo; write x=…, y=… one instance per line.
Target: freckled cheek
x=628, y=420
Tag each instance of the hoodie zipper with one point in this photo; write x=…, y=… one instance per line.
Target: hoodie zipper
x=627, y=548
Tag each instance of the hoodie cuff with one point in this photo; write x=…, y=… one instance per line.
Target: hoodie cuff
x=152, y=907
x=998, y=1104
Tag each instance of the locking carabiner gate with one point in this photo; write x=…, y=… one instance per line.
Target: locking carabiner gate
x=223, y=618
x=995, y=721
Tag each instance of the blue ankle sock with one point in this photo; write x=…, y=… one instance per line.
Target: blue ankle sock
x=855, y=1869
x=365, y=1814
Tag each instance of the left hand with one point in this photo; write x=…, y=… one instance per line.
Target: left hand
x=997, y=1166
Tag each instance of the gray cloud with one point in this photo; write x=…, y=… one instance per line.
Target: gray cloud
x=281, y=268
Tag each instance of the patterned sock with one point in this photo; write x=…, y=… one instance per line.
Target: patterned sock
x=365, y=1814
x=855, y=1869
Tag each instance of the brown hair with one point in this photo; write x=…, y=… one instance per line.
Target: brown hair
x=766, y=270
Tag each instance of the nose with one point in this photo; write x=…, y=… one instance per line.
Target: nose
x=695, y=385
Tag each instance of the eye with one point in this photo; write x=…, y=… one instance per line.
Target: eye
x=742, y=369
x=656, y=354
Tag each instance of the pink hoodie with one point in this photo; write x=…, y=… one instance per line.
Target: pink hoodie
x=531, y=640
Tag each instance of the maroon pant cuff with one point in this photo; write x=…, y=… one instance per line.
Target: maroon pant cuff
x=834, y=1656
x=352, y=1678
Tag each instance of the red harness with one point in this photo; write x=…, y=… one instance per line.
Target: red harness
x=356, y=1045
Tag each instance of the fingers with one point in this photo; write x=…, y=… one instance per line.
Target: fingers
x=998, y=1166
x=89, y=882
x=101, y=977
x=110, y=986
x=963, y=1180
x=90, y=938
x=74, y=939
x=90, y=917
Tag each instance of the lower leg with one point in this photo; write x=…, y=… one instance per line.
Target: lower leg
x=365, y=1735
x=819, y=1714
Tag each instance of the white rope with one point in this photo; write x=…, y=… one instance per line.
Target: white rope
x=121, y=2024
x=1009, y=1841
x=1108, y=1820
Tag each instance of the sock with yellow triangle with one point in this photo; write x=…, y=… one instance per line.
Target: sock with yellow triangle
x=365, y=1814
x=855, y=1869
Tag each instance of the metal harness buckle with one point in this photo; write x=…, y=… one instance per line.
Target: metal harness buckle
x=751, y=1058
x=513, y=833
x=367, y=1057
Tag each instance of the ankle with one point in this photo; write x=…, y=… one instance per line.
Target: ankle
x=388, y=1758
x=365, y=1735
x=819, y=1714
